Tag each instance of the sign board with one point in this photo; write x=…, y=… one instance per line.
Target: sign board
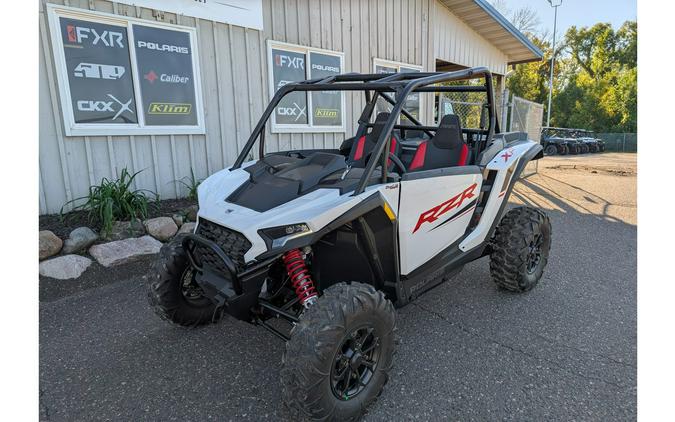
x=167, y=82
x=246, y=13
x=99, y=72
x=316, y=111
x=125, y=76
x=412, y=102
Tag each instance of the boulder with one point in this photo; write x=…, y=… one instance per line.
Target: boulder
x=161, y=228
x=65, y=267
x=126, y=250
x=191, y=212
x=178, y=219
x=187, y=228
x=80, y=238
x=125, y=229
x=50, y=244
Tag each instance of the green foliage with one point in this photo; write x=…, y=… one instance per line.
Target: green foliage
x=595, y=81
x=115, y=200
x=191, y=183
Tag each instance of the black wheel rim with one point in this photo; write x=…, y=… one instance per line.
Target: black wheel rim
x=355, y=363
x=534, y=253
x=190, y=290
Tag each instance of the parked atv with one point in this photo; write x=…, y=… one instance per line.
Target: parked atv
x=594, y=144
x=555, y=141
x=333, y=240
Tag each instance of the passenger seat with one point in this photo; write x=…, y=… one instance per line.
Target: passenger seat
x=446, y=149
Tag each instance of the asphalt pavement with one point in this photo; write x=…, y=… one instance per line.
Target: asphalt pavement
x=468, y=351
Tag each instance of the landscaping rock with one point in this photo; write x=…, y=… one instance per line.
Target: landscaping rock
x=65, y=267
x=187, y=228
x=125, y=229
x=178, y=219
x=50, y=244
x=161, y=228
x=80, y=238
x=126, y=250
x=191, y=212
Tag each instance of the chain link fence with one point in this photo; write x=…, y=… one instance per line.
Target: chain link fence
x=619, y=142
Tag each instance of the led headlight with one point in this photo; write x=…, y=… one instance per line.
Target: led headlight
x=282, y=234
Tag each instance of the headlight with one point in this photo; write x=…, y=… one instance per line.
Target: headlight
x=282, y=234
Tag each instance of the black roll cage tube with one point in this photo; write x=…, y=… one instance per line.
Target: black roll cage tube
x=401, y=84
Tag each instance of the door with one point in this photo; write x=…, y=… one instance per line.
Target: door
x=435, y=209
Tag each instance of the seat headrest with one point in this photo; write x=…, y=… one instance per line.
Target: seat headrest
x=380, y=120
x=449, y=133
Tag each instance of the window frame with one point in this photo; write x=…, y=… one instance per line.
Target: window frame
x=310, y=127
x=398, y=65
x=54, y=12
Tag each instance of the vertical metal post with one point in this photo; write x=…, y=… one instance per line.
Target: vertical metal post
x=550, y=85
x=624, y=142
x=505, y=109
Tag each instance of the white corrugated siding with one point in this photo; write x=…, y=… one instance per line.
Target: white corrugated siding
x=233, y=63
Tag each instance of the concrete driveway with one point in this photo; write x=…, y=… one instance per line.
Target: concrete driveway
x=564, y=351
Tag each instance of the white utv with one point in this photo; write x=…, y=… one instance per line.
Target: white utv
x=332, y=241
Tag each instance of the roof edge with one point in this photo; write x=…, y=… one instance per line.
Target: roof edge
x=506, y=24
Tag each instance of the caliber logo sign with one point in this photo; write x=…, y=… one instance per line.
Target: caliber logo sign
x=172, y=79
x=169, y=108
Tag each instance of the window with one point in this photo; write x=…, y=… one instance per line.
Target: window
x=413, y=102
x=124, y=76
x=316, y=111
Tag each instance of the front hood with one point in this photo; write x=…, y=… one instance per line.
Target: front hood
x=316, y=208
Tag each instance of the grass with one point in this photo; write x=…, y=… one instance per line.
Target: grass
x=191, y=185
x=114, y=200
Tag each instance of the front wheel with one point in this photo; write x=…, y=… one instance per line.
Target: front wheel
x=520, y=249
x=173, y=293
x=339, y=355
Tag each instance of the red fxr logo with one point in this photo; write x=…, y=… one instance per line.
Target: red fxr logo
x=455, y=202
x=70, y=29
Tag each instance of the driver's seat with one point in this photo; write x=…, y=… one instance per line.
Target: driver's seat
x=363, y=146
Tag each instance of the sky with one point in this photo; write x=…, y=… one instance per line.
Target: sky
x=580, y=12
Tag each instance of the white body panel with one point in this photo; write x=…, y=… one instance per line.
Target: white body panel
x=434, y=213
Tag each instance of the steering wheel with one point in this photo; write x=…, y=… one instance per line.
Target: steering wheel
x=397, y=161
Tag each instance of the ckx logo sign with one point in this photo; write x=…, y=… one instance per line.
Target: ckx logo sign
x=103, y=106
x=80, y=34
x=296, y=111
x=282, y=60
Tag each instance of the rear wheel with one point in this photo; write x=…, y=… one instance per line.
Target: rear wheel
x=520, y=249
x=584, y=149
x=563, y=150
x=340, y=353
x=550, y=150
x=173, y=293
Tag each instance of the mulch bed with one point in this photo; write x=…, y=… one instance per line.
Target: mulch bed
x=62, y=226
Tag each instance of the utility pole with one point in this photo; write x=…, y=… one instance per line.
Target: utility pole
x=555, y=5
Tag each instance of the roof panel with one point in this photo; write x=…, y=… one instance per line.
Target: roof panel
x=489, y=23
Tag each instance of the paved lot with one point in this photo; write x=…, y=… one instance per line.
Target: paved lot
x=565, y=351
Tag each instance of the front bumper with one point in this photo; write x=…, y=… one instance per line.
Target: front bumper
x=235, y=291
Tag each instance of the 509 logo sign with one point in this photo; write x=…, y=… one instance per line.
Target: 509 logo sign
x=169, y=108
x=80, y=34
x=98, y=71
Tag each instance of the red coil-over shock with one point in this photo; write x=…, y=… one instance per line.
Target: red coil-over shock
x=300, y=277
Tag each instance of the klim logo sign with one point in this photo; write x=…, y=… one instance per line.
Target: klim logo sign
x=169, y=108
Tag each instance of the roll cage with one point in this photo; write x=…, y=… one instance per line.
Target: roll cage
x=381, y=86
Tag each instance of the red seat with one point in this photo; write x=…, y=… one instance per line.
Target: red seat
x=365, y=144
x=446, y=149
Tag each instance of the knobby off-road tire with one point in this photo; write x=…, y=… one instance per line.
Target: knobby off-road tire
x=315, y=355
x=172, y=292
x=584, y=149
x=520, y=249
x=550, y=150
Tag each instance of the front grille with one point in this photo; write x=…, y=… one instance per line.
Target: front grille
x=234, y=244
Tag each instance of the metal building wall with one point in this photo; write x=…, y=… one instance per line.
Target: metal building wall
x=233, y=63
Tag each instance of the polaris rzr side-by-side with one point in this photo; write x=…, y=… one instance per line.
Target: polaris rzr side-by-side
x=331, y=241
x=558, y=141
x=586, y=136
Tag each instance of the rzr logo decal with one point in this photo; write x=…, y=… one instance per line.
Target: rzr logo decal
x=456, y=201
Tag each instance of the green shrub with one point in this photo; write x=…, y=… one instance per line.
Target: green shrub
x=114, y=200
x=191, y=184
